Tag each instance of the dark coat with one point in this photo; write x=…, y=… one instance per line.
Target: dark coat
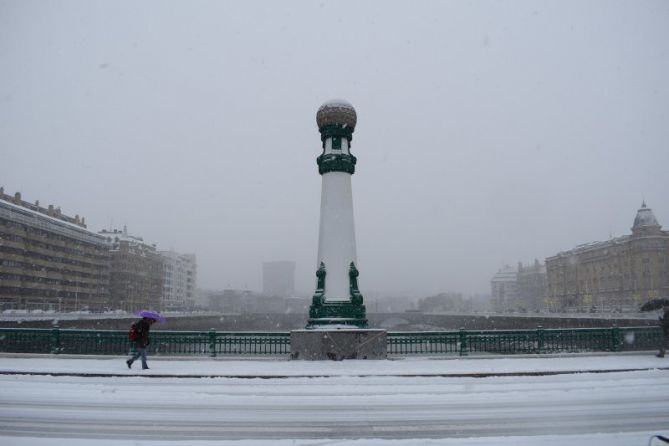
x=143, y=327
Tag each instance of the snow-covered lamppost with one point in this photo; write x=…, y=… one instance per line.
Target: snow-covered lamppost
x=337, y=327
x=337, y=300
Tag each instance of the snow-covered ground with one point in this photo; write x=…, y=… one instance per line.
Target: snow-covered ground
x=379, y=403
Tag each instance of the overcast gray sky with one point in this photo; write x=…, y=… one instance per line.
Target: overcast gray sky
x=488, y=132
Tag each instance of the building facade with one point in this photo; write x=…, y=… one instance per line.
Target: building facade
x=278, y=278
x=616, y=275
x=531, y=286
x=136, y=279
x=179, y=281
x=50, y=261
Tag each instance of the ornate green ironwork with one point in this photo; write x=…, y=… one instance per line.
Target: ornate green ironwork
x=319, y=295
x=356, y=297
x=464, y=348
x=55, y=340
x=115, y=342
x=323, y=313
x=213, y=343
x=337, y=313
x=336, y=130
x=539, y=341
x=336, y=162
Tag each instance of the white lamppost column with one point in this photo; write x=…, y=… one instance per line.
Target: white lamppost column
x=337, y=300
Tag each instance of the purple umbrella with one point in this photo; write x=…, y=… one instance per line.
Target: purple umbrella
x=151, y=315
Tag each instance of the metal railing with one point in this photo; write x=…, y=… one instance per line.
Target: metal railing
x=214, y=343
x=169, y=343
x=536, y=341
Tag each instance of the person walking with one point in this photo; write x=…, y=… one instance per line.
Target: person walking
x=140, y=332
x=664, y=325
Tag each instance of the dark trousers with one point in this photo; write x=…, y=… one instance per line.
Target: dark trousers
x=140, y=352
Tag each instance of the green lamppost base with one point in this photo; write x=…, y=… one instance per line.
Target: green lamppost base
x=347, y=312
x=337, y=313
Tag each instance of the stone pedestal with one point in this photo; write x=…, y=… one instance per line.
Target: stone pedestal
x=338, y=344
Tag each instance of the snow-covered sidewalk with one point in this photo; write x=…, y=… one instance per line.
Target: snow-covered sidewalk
x=278, y=368
x=411, y=401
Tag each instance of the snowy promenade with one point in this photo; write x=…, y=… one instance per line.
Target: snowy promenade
x=75, y=401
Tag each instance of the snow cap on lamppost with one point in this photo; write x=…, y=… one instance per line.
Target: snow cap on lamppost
x=336, y=111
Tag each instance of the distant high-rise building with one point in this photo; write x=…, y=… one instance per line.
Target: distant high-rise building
x=136, y=272
x=49, y=260
x=179, y=281
x=504, y=289
x=618, y=274
x=278, y=278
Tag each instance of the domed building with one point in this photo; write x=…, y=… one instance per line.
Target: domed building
x=645, y=222
x=616, y=275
